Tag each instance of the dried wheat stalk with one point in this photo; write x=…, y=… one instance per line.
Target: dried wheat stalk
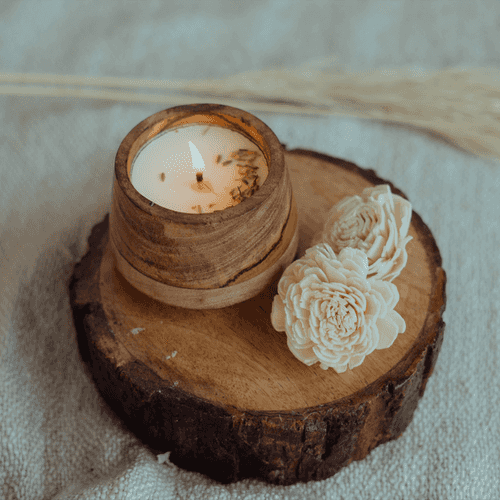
x=462, y=105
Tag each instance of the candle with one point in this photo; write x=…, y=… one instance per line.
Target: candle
x=198, y=169
x=185, y=159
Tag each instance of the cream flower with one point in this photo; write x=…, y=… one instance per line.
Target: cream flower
x=377, y=223
x=331, y=312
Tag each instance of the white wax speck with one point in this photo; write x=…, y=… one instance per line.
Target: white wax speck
x=174, y=353
x=135, y=331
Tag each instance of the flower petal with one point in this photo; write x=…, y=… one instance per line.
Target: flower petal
x=300, y=336
x=402, y=212
x=398, y=321
x=388, y=331
x=389, y=292
x=376, y=249
x=306, y=355
x=375, y=191
x=373, y=308
x=321, y=251
x=344, y=207
x=391, y=238
x=278, y=319
x=334, y=275
x=355, y=260
x=358, y=283
x=375, y=294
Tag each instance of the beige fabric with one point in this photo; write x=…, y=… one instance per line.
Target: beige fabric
x=460, y=104
x=58, y=439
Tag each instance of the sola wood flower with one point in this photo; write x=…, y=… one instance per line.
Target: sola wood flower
x=331, y=312
x=377, y=223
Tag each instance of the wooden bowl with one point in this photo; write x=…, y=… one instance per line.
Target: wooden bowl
x=203, y=261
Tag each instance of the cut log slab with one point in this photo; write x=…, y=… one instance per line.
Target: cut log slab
x=220, y=389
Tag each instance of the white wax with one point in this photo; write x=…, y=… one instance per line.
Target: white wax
x=165, y=169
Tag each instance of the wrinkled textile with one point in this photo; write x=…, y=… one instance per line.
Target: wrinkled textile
x=58, y=438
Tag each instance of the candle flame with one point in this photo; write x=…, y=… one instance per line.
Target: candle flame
x=198, y=163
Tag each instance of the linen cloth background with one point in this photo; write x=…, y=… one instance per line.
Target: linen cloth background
x=58, y=439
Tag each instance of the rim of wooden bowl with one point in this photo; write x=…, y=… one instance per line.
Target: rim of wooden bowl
x=212, y=114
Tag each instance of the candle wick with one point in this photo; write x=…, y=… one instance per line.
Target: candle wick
x=201, y=184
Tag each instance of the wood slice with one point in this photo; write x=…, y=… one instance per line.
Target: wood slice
x=220, y=389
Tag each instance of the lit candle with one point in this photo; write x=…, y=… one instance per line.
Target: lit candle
x=198, y=169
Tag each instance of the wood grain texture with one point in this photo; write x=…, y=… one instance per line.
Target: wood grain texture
x=203, y=251
x=258, y=277
x=210, y=260
x=221, y=389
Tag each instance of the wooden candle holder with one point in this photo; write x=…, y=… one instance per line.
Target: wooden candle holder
x=203, y=261
x=220, y=388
